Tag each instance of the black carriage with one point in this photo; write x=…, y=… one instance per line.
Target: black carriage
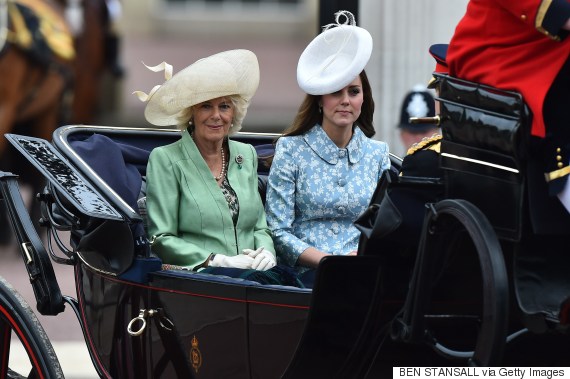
x=140, y=320
x=462, y=291
x=484, y=281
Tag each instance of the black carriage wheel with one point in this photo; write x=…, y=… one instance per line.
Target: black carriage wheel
x=18, y=320
x=460, y=238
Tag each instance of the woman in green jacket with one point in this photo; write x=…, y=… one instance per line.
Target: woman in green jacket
x=203, y=201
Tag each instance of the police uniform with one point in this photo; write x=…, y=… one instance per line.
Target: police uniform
x=417, y=103
x=422, y=158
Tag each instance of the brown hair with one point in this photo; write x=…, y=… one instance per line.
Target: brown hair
x=308, y=114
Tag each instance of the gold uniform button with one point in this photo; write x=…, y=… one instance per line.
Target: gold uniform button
x=560, y=164
x=558, y=158
x=558, y=150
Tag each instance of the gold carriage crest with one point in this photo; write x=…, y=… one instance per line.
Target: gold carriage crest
x=195, y=355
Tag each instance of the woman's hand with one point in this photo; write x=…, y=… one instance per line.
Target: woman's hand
x=262, y=259
x=311, y=257
x=235, y=261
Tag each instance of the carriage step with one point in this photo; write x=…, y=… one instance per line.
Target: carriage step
x=541, y=283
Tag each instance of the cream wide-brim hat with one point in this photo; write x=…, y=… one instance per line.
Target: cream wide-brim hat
x=334, y=58
x=229, y=73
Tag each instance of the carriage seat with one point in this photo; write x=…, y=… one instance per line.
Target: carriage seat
x=483, y=150
x=121, y=163
x=123, y=167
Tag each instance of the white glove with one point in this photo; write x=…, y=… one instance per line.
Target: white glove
x=263, y=259
x=234, y=261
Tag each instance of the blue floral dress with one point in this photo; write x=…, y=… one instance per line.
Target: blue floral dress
x=316, y=191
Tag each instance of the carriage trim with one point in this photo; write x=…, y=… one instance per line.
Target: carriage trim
x=480, y=162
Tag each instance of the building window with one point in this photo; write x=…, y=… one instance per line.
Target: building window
x=282, y=17
x=260, y=3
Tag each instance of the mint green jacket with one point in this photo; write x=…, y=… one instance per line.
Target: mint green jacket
x=189, y=217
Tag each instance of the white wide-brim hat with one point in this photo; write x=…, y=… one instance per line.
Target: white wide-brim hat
x=229, y=73
x=335, y=57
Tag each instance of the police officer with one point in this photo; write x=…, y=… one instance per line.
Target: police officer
x=418, y=103
x=422, y=158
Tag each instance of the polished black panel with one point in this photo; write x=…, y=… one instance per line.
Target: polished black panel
x=277, y=318
x=483, y=149
x=483, y=117
x=240, y=329
x=107, y=306
x=67, y=180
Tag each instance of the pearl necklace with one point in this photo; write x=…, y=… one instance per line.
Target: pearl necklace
x=223, y=170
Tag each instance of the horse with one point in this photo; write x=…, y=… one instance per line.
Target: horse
x=96, y=47
x=34, y=80
x=53, y=54
x=35, y=66
x=36, y=56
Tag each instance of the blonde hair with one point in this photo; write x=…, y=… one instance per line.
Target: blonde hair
x=239, y=108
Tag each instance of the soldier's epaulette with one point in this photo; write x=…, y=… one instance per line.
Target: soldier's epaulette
x=425, y=143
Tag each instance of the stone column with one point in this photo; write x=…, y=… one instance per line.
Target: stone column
x=403, y=31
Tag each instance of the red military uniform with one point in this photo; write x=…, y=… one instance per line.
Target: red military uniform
x=521, y=45
x=508, y=44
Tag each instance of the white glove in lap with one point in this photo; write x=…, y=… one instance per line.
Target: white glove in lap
x=252, y=253
x=263, y=259
x=235, y=261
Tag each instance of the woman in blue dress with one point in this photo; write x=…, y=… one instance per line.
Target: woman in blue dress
x=326, y=166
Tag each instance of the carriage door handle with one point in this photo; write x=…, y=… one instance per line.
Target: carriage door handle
x=140, y=321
